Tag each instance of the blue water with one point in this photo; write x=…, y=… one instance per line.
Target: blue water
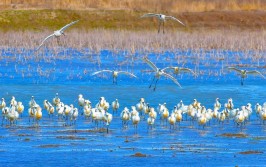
x=67, y=72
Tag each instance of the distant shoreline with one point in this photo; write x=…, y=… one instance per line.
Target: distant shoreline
x=41, y=20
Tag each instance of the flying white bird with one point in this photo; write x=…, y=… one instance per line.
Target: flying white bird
x=115, y=74
x=161, y=18
x=158, y=73
x=244, y=73
x=57, y=33
x=177, y=70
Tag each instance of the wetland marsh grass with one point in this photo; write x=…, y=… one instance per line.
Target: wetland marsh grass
x=208, y=53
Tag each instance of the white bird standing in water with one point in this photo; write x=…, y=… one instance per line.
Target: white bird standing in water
x=74, y=115
x=115, y=106
x=263, y=115
x=162, y=18
x=150, y=122
x=135, y=117
x=217, y=104
x=5, y=112
x=125, y=116
x=152, y=113
x=258, y=109
x=87, y=109
x=133, y=111
x=158, y=73
x=38, y=114
x=102, y=104
x=115, y=74
x=172, y=120
x=81, y=100
x=60, y=110
x=57, y=33
x=2, y=104
x=107, y=118
x=244, y=73
x=202, y=120
x=32, y=102
x=140, y=105
x=240, y=118
x=48, y=107
x=45, y=104
x=56, y=100
x=12, y=115
x=13, y=101
x=229, y=105
x=20, y=108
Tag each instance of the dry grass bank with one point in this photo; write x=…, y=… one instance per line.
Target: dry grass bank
x=175, y=6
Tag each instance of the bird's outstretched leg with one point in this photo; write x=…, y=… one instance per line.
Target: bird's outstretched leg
x=163, y=27
x=159, y=27
x=152, y=82
x=155, y=85
x=242, y=81
x=113, y=80
x=58, y=40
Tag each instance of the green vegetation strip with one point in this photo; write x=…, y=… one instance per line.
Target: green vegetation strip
x=39, y=20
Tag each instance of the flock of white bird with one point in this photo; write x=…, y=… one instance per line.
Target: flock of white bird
x=142, y=110
x=175, y=70
x=68, y=114
x=158, y=72
x=161, y=18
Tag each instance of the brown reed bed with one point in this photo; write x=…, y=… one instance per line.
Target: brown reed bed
x=141, y=41
x=147, y=5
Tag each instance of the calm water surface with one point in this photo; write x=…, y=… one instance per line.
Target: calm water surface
x=53, y=144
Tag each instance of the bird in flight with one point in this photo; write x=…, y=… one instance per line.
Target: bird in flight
x=114, y=74
x=158, y=73
x=177, y=70
x=57, y=33
x=162, y=18
x=244, y=73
